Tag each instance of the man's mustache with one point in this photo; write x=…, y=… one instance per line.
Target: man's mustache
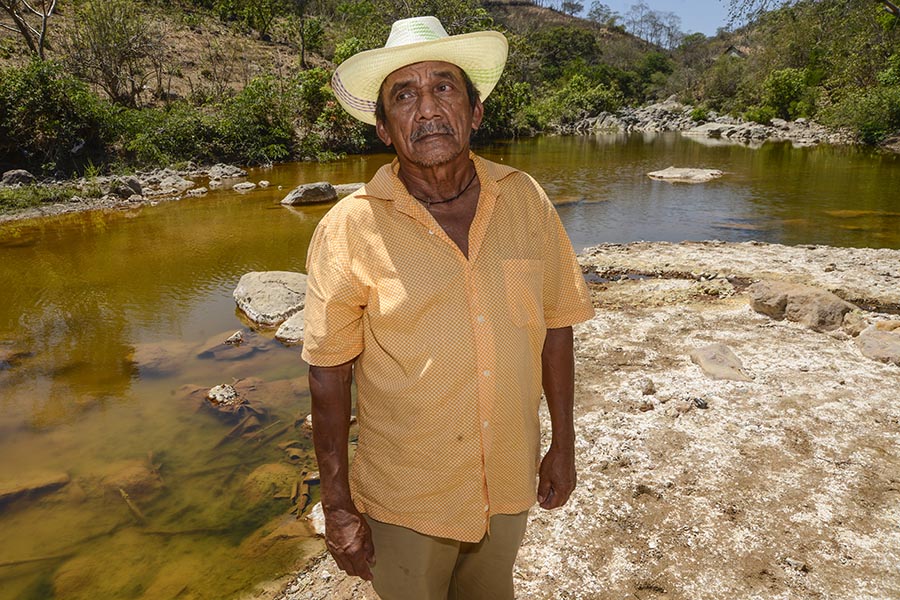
x=431, y=129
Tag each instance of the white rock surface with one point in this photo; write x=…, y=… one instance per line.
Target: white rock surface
x=685, y=175
x=270, y=297
x=291, y=331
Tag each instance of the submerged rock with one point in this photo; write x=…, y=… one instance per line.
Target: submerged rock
x=719, y=362
x=34, y=484
x=311, y=193
x=244, y=186
x=137, y=478
x=685, y=175
x=818, y=309
x=270, y=297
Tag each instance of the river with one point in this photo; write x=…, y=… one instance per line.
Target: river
x=111, y=321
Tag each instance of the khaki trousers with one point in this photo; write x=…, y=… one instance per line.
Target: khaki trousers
x=413, y=566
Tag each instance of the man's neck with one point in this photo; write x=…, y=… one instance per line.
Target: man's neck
x=433, y=184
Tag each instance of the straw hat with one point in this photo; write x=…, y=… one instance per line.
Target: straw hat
x=357, y=80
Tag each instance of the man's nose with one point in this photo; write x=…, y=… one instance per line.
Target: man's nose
x=427, y=107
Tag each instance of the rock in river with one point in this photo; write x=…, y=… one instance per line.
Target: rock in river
x=291, y=331
x=311, y=193
x=683, y=175
x=270, y=297
x=32, y=485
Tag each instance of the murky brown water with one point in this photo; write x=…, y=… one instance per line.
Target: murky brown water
x=106, y=319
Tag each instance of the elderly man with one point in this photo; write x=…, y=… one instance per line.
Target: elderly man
x=448, y=287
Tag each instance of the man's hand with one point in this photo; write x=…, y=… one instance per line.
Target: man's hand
x=349, y=539
x=557, y=477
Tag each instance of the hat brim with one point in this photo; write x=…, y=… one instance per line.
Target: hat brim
x=357, y=81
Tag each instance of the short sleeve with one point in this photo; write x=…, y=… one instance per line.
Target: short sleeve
x=565, y=294
x=335, y=299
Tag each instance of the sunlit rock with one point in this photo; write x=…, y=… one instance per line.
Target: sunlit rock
x=311, y=193
x=218, y=347
x=17, y=177
x=270, y=297
x=883, y=346
x=818, y=309
x=718, y=361
x=685, y=175
x=223, y=171
x=196, y=192
x=223, y=396
x=291, y=331
x=345, y=189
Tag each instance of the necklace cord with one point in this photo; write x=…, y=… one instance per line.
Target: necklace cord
x=461, y=192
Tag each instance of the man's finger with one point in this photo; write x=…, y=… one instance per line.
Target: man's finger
x=544, y=490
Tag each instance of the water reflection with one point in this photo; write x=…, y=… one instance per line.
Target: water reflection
x=108, y=320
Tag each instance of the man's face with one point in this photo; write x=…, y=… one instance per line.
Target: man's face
x=428, y=117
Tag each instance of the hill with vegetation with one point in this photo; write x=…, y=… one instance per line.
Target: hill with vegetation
x=100, y=85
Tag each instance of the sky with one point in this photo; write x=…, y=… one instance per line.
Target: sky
x=703, y=16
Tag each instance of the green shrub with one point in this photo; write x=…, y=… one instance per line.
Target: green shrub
x=506, y=111
x=255, y=126
x=873, y=114
x=578, y=99
x=49, y=120
x=760, y=114
x=784, y=91
x=700, y=114
x=161, y=137
x=34, y=195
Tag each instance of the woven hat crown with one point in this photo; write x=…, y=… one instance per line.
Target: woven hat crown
x=357, y=81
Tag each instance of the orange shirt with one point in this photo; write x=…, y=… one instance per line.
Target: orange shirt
x=449, y=350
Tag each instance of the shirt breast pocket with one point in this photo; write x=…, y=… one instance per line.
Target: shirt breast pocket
x=523, y=279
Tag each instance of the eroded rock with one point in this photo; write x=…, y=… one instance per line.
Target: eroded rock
x=244, y=186
x=818, y=309
x=270, y=297
x=34, y=484
x=17, y=177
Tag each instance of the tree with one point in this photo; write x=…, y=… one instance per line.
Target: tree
x=114, y=46
x=572, y=7
x=22, y=13
x=603, y=14
x=749, y=10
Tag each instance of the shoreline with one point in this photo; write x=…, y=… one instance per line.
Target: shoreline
x=693, y=487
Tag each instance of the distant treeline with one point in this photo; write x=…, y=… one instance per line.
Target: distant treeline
x=104, y=84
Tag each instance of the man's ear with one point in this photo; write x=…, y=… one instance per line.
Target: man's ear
x=382, y=132
x=477, y=114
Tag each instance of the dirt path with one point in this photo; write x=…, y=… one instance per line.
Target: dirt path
x=786, y=486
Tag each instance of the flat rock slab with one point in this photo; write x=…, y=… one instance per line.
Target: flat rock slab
x=718, y=361
x=685, y=175
x=311, y=193
x=345, y=189
x=270, y=297
x=858, y=275
x=34, y=484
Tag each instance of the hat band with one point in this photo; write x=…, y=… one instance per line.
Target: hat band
x=358, y=103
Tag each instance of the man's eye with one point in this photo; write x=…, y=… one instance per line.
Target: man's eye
x=445, y=87
x=404, y=96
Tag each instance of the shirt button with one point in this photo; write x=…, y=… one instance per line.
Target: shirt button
x=486, y=373
x=487, y=507
x=431, y=232
x=485, y=424
x=480, y=318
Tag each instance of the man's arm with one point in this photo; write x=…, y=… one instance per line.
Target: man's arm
x=557, y=472
x=347, y=535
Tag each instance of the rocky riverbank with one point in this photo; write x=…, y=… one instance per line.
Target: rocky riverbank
x=674, y=116
x=778, y=483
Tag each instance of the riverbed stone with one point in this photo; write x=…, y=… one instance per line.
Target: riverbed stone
x=268, y=481
x=685, y=175
x=126, y=187
x=818, y=309
x=270, y=297
x=718, y=361
x=291, y=331
x=311, y=193
x=244, y=186
x=883, y=346
x=17, y=177
x=31, y=485
x=345, y=189
x=223, y=171
x=135, y=477
x=196, y=192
